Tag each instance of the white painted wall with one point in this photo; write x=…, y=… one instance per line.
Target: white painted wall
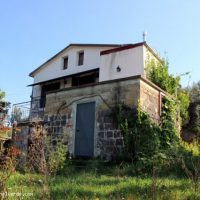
x=131, y=62
x=54, y=68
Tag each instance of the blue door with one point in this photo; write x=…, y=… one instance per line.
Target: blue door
x=84, y=133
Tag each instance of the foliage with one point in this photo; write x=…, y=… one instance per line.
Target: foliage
x=7, y=166
x=7, y=155
x=36, y=149
x=5, y=130
x=191, y=167
x=88, y=185
x=158, y=73
x=169, y=123
x=194, y=109
x=194, y=118
x=194, y=92
x=16, y=114
x=149, y=144
x=57, y=155
x=44, y=155
x=143, y=138
x=2, y=95
x=184, y=99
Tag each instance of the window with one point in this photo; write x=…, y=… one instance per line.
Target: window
x=65, y=63
x=80, y=58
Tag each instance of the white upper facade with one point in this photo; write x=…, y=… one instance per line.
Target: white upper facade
x=113, y=61
x=53, y=68
x=122, y=63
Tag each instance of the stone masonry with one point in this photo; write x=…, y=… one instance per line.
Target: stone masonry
x=60, y=110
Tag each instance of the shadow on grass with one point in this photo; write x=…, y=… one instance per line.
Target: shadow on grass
x=130, y=187
x=84, y=193
x=87, y=184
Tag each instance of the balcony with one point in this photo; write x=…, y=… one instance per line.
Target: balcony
x=26, y=111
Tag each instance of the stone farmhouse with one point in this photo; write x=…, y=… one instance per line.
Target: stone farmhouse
x=75, y=90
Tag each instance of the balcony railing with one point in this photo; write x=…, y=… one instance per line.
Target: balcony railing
x=25, y=111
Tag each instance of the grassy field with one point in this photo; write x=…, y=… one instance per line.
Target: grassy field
x=88, y=184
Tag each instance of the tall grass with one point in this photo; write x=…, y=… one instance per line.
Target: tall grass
x=87, y=184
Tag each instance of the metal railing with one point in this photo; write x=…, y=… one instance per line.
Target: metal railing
x=25, y=111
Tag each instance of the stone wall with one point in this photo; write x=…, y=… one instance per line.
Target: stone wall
x=60, y=111
x=150, y=100
x=107, y=138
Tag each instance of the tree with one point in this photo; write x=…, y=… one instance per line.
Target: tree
x=183, y=97
x=2, y=95
x=17, y=114
x=194, y=109
x=194, y=92
x=4, y=105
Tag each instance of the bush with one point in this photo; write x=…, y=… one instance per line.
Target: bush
x=46, y=155
x=142, y=138
x=150, y=145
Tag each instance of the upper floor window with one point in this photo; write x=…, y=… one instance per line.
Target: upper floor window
x=65, y=62
x=80, y=58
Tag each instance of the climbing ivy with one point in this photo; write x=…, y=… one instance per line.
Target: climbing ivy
x=158, y=73
x=148, y=143
x=169, y=123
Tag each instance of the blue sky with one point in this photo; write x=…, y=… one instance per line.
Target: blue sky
x=33, y=31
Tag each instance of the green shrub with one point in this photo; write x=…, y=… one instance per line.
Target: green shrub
x=158, y=73
x=150, y=145
x=142, y=138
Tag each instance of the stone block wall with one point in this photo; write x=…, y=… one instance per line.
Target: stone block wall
x=150, y=100
x=60, y=111
x=108, y=140
x=55, y=123
x=110, y=143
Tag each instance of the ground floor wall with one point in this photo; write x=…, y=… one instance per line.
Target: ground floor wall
x=60, y=115
x=61, y=110
x=151, y=100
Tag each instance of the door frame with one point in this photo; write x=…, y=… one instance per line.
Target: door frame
x=74, y=113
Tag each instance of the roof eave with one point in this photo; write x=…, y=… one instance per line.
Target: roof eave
x=63, y=77
x=70, y=45
x=122, y=48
